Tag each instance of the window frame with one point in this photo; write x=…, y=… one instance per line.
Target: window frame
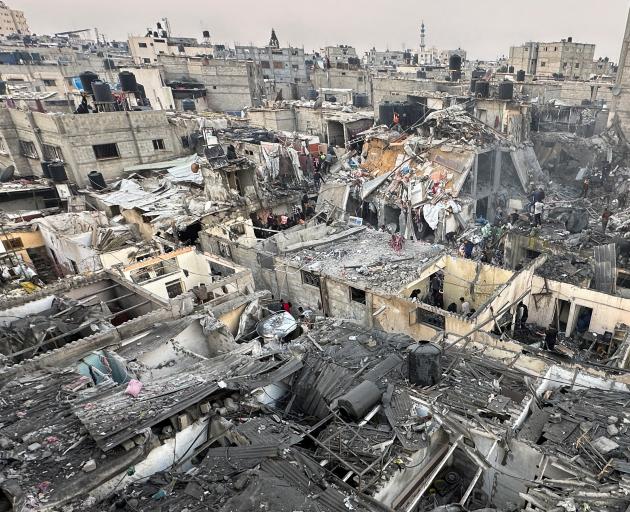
x=110, y=145
x=311, y=279
x=158, y=145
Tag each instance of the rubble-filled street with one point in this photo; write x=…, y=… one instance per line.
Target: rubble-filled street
x=323, y=275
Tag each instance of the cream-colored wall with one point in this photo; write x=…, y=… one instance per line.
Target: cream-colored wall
x=30, y=240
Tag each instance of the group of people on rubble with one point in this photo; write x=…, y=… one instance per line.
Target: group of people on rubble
x=305, y=315
x=321, y=165
x=274, y=222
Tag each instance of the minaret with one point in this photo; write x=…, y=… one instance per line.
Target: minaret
x=422, y=45
x=273, y=42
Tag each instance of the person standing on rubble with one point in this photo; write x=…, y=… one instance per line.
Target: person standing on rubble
x=585, y=186
x=538, y=211
x=605, y=218
x=551, y=337
x=318, y=179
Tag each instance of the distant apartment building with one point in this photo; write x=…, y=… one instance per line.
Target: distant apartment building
x=376, y=58
x=147, y=49
x=12, y=21
x=563, y=58
x=342, y=56
x=286, y=67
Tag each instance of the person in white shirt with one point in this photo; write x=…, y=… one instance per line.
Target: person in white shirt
x=464, y=307
x=538, y=210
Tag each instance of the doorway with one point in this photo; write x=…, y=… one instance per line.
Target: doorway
x=561, y=315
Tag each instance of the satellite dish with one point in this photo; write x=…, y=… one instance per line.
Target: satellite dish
x=616, y=90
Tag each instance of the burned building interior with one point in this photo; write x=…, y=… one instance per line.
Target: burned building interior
x=246, y=278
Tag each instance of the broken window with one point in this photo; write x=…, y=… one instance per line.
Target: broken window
x=357, y=295
x=14, y=243
x=146, y=61
x=278, y=65
x=265, y=64
x=142, y=45
x=422, y=316
x=52, y=152
x=27, y=149
x=310, y=279
x=103, y=151
x=75, y=268
x=542, y=63
x=49, y=82
x=158, y=144
x=174, y=288
x=224, y=250
x=185, y=141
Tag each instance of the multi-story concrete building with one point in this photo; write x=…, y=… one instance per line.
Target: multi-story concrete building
x=107, y=142
x=147, y=49
x=12, y=21
x=375, y=58
x=342, y=56
x=620, y=110
x=285, y=67
x=564, y=58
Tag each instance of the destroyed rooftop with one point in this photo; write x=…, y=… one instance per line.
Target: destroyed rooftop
x=365, y=258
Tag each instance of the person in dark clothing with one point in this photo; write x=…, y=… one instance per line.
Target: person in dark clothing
x=468, y=249
x=539, y=195
x=605, y=218
x=551, y=337
x=585, y=186
x=452, y=308
x=285, y=305
x=318, y=179
x=522, y=313
x=83, y=107
x=231, y=152
x=605, y=171
x=304, y=201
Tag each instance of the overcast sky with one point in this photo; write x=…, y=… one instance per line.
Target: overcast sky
x=485, y=28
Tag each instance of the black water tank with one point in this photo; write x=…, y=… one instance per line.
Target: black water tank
x=455, y=63
x=511, y=69
x=473, y=83
x=478, y=73
x=456, y=75
x=87, y=79
x=206, y=34
x=3, y=87
x=96, y=180
x=360, y=100
x=520, y=76
x=358, y=401
x=482, y=89
x=128, y=81
x=58, y=171
x=421, y=74
x=386, y=112
x=506, y=90
x=102, y=92
x=189, y=105
x=425, y=364
x=46, y=168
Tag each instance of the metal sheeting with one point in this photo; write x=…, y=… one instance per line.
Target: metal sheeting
x=605, y=268
x=526, y=165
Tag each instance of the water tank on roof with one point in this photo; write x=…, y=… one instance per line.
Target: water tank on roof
x=511, y=69
x=127, y=81
x=456, y=75
x=473, y=83
x=421, y=74
x=478, y=73
x=206, y=34
x=96, y=180
x=189, y=105
x=425, y=364
x=482, y=89
x=520, y=76
x=360, y=100
x=87, y=79
x=506, y=90
x=386, y=112
x=46, y=168
x=58, y=171
x=455, y=62
x=3, y=87
x=102, y=92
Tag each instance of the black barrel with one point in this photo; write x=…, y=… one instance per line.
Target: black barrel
x=455, y=63
x=506, y=90
x=189, y=105
x=473, y=83
x=46, y=168
x=127, y=81
x=58, y=172
x=482, y=89
x=360, y=100
x=87, y=79
x=425, y=364
x=511, y=69
x=102, y=92
x=96, y=180
x=520, y=76
x=206, y=34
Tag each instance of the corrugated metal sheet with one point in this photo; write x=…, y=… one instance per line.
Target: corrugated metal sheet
x=605, y=268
